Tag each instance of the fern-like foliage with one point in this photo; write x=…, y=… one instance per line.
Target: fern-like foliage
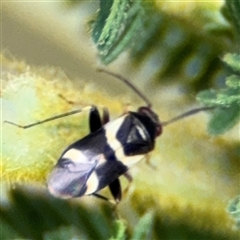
x=232, y=10
x=226, y=100
x=177, y=47
x=116, y=27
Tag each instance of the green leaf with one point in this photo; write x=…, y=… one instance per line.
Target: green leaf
x=233, y=61
x=224, y=119
x=233, y=8
x=234, y=210
x=116, y=24
x=144, y=227
x=207, y=97
x=119, y=230
x=226, y=100
x=219, y=98
x=62, y=233
x=7, y=232
x=141, y=231
x=233, y=82
x=105, y=9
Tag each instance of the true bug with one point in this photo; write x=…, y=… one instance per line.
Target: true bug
x=112, y=147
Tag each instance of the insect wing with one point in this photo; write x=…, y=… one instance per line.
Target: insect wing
x=74, y=175
x=68, y=180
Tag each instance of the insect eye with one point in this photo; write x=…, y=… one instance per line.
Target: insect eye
x=64, y=163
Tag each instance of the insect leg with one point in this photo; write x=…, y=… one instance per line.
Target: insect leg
x=103, y=198
x=128, y=176
x=116, y=190
x=115, y=213
x=148, y=162
x=70, y=101
x=94, y=120
x=105, y=118
x=66, y=100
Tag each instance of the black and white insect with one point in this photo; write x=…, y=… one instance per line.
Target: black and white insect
x=108, y=152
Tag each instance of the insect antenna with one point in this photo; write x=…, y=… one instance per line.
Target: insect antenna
x=129, y=84
x=48, y=119
x=186, y=114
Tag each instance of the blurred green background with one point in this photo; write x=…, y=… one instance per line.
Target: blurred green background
x=170, y=50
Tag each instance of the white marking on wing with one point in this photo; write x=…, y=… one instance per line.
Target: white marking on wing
x=92, y=183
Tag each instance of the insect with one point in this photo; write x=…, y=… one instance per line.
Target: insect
x=108, y=152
